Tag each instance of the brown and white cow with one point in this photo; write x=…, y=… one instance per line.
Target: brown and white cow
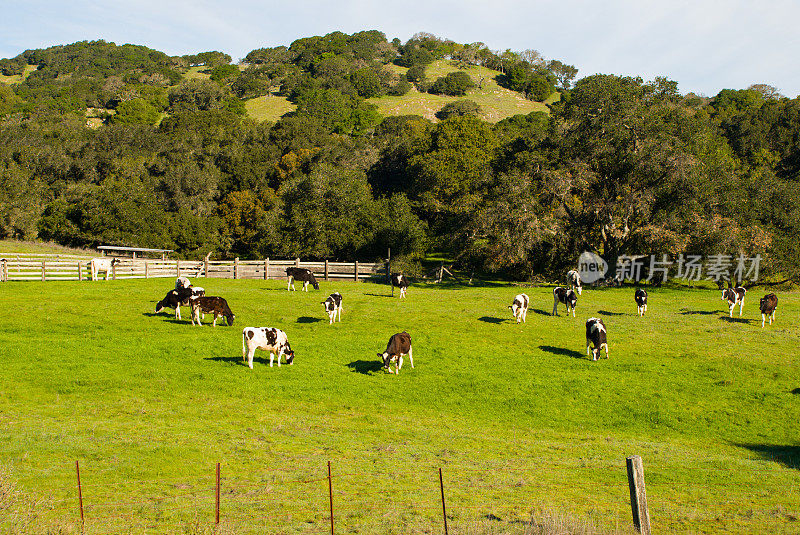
x=768, y=304
x=734, y=296
x=211, y=305
x=595, y=335
x=96, y=265
x=399, y=345
x=641, y=301
x=519, y=307
x=566, y=296
x=269, y=339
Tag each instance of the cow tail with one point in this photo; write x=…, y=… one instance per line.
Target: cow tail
x=244, y=344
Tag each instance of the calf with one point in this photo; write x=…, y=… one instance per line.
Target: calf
x=269, y=339
x=333, y=306
x=768, y=304
x=102, y=264
x=595, y=335
x=519, y=307
x=211, y=305
x=179, y=298
x=734, y=296
x=398, y=346
x=182, y=282
x=301, y=274
x=574, y=281
x=641, y=301
x=400, y=281
x=563, y=295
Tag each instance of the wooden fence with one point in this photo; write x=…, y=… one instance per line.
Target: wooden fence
x=65, y=267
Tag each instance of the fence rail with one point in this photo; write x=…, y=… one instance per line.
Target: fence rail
x=39, y=267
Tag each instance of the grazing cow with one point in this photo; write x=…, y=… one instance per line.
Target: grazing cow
x=102, y=264
x=566, y=296
x=595, y=335
x=301, y=274
x=398, y=346
x=574, y=281
x=399, y=280
x=269, y=339
x=216, y=305
x=768, y=304
x=519, y=307
x=734, y=296
x=182, y=282
x=179, y=298
x=333, y=306
x=641, y=301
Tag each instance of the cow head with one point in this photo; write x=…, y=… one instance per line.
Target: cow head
x=159, y=306
x=727, y=294
x=289, y=354
x=315, y=284
x=515, y=307
x=229, y=318
x=387, y=359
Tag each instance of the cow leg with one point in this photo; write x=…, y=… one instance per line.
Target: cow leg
x=555, y=306
x=763, y=318
x=402, y=292
x=250, y=353
x=730, y=309
x=588, y=348
x=524, y=314
x=399, y=364
x=340, y=313
x=290, y=283
x=410, y=357
x=280, y=353
x=573, y=311
x=741, y=306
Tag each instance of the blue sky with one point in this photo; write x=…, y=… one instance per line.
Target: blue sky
x=705, y=45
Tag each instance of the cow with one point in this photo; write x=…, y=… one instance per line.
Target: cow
x=96, y=265
x=333, y=306
x=641, y=301
x=734, y=296
x=520, y=307
x=398, y=346
x=400, y=281
x=179, y=298
x=269, y=339
x=574, y=281
x=182, y=282
x=301, y=274
x=208, y=305
x=566, y=296
x=595, y=335
x=768, y=304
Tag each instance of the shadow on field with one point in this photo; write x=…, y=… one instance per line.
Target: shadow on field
x=380, y=295
x=539, y=311
x=607, y=313
x=490, y=319
x=789, y=456
x=233, y=360
x=701, y=312
x=734, y=320
x=796, y=391
x=308, y=319
x=366, y=367
x=561, y=351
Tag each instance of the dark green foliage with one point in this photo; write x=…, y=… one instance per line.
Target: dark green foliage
x=224, y=73
x=10, y=67
x=454, y=84
x=209, y=59
x=136, y=111
x=459, y=108
x=416, y=73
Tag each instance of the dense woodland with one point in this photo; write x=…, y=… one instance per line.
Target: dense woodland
x=619, y=166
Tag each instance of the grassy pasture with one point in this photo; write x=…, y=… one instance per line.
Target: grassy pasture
x=521, y=422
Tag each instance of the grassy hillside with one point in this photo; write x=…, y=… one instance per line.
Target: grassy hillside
x=18, y=78
x=268, y=108
x=13, y=246
x=522, y=423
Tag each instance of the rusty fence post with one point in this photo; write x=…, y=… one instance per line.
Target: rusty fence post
x=444, y=510
x=330, y=493
x=80, y=493
x=641, y=516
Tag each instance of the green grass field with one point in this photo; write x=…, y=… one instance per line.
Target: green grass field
x=521, y=422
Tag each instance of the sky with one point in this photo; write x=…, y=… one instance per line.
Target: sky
x=704, y=45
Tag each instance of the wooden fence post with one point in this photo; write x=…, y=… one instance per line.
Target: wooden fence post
x=297, y=262
x=216, y=524
x=326, y=269
x=205, y=267
x=355, y=270
x=641, y=516
x=113, y=271
x=389, y=265
x=80, y=271
x=266, y=268
x=80, y=493
x=178, y=267
x=44, y=270
x=236, y=268
x=146, y=269
x=4, y=274
x=330, y=493
x=444, y=510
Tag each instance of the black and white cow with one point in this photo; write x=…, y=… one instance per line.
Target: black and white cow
x=595, y=335
x=566, y=296
x=768, y=304
x=641, y=301
x=269, y=339
x=400, y=281
x=520, y=307
x=399, y=345
x=734, y=296
x=300, y=274
x=96, y=265
x=178, y=298
x=211, y=305
x=333, y=306
x=182, y=282
x=574, y=281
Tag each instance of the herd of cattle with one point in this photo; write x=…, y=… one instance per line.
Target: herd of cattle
x=276, y=342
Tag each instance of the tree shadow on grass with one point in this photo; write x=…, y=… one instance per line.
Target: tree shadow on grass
x=308, y=319
x=789, y=456
x=490, y=319
x=367, y=367
x=607, y=313
x=734, y=320
x=563, y=352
